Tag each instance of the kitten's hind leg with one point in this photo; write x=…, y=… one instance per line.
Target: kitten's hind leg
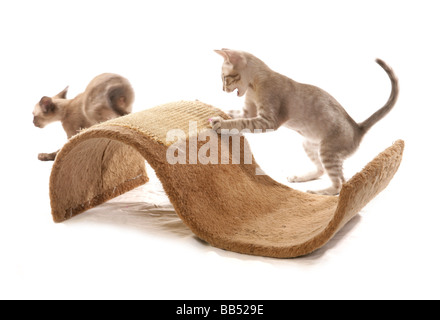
x=312, y=151
x=48, y=156
x=333, y=166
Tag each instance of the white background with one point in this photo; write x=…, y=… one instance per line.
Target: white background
x=125, y=249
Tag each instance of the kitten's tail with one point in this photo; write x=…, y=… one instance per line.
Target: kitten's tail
x=379, y=114
x=120, y=98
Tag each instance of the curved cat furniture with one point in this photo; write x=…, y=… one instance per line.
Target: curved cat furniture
x=228, y=205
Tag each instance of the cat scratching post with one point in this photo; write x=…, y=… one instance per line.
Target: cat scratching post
x=227, y=205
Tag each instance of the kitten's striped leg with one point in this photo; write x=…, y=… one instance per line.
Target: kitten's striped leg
x=252, y=124
x=312, y=151
x=333, y=166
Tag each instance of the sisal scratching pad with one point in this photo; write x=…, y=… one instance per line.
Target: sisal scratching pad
x=228, y=205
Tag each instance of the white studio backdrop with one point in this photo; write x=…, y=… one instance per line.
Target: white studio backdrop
x=165, y=49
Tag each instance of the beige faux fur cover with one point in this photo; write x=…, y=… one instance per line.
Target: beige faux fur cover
x=227, y=205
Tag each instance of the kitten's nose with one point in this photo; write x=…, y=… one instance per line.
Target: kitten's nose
x=36, y=123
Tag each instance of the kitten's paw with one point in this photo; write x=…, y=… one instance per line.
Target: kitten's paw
x=235, y=114
x=216, y=123
x=332, y=191
x=306, y=177
x=294, y=179
x=46, y=156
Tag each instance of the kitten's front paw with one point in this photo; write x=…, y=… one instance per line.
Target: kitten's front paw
x=216, y=124
x=46, y=156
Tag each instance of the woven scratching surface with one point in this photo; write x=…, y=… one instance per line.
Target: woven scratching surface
x=225, y=204
x=158, y=121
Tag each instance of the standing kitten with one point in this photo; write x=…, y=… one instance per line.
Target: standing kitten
x=106, y=97
x=273, y=100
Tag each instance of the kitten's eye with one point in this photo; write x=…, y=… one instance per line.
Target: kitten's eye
x=234, y=77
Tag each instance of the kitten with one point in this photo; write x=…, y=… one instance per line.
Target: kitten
x=106, y=97
x=273, y=100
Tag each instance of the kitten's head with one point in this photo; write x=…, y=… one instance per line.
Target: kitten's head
x=47, y=110
x=234, y=73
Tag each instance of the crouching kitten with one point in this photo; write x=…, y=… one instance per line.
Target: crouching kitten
x=107, y=96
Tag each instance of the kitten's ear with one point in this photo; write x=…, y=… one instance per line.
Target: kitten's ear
x=47, y=104
x=62, y=94
x=235, y=58
x=223, y=54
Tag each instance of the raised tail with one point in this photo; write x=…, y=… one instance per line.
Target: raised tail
x=382, y=112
